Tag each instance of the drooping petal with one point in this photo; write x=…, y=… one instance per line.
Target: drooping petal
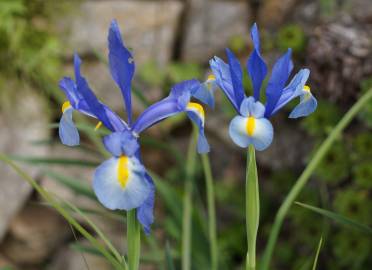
x=121, y=143
x=68, y=132
x=120, y=183
x=145, y=212
x=279, y=77
x=196, y=113
x=175, y=103
x=223, y=79
x=306, y=106
x=256, y=66
x=250, y=107
x=236, y=77
x=245, y=131
x=121, y=65
x=293, y=89
x=205, y=93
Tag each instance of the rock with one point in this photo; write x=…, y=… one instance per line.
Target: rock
x=77, y=260
x=210, y=25
x=148, y=27
x=27, y=123
x=34, y=234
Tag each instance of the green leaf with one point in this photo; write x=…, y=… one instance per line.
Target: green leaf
x=168, y=257
x=317, y=253
x=85, y=249
x=57, y=161
x=338, y=218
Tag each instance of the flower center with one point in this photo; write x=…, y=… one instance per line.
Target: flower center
x=251, y=123
x=65, y=106
x=123, y=171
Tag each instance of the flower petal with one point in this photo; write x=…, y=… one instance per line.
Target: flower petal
x=121, y=65
x=205, y=93
x=68, y=132
x=279, y=77
x=261, y=137
x=121, y=143
x=111, y=193
x=250, y=107
x=256, y=66
x=236, y=77
x=306, y=106
x=145, y=212
x=196, y=113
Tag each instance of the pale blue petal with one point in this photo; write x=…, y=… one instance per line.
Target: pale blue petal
x=205, y=93
x=263, y=134
x=306, y=106
x=109, y=192
x=145, y=212
x=250, y=107
x=121, y=143
x=203, y=146
x=68, y=132
x=238, y=133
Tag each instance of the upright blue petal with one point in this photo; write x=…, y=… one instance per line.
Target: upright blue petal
x=121, y=143
x=256, y=66
x=223, y=79
x=196, y=113
x=121, y=65
x=68, y=132
x=279, y=77
x=145, y=212
x=120, y=183
x=236, y=77
x=306, y=106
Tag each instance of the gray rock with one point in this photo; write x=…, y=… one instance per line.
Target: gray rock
x=210, y=25
x=148, y=27
x=20, y=126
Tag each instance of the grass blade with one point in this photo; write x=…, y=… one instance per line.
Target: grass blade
x=317, y=253
x=56, y=161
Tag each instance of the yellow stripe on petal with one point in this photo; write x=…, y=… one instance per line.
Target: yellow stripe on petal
x=307, y=88
x=99, y=124
x=251, y=124
x=123, y=171
x=211, y=77
x=65, y=106
x=197, y=108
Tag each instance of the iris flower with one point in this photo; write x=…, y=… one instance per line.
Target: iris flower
x=252, y=125
x=122, y=181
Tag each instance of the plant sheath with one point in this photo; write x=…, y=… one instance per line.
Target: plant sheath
x=134, y=240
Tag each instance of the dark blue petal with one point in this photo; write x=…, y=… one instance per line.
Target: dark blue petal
x=145, y=212
x=121, y=66
x=68, y=132
x=121, y=143
x=279, y=77
x=256, y=66
x=236, y=77
x=223, y=79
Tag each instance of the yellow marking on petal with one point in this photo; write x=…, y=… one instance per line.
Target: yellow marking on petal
x=211, y=77
x=307, y=88
x=123, y=171
x=251, y=124
x=99, y=124
x=65, y=106
x=193, y=106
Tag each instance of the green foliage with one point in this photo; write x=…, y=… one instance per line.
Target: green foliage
x=237, y=43
x=362, y=145
x=362, y=174
x=366, y=114
x=291, y=36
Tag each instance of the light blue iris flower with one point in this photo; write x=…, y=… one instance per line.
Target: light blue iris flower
x=122, y=181
x=251, y=126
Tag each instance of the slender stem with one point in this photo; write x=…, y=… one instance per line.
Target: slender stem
x=211, y=211
x=252, y=207
x=187, y=203
x=303, y=179
x=134, y=240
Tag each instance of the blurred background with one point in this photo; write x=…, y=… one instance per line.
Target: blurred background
x=173, y=40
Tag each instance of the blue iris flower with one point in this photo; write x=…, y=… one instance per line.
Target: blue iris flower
x=122, y=181
x=252, y=126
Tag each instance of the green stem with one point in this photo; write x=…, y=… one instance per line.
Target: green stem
x=187, y=203
x=211, y=211
x=303, y=179
x=134, y=240
x=252, y=207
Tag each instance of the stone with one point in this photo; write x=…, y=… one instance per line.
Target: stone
x=146, y=27
x=27, y=123
x=210, y=25
x=34, y=234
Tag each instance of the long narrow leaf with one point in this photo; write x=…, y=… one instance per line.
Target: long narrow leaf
x=57, y=161
x=338, y=218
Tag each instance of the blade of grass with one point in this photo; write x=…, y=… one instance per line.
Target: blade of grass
x=168, y=256
x=57, y=161
x=317, y=253
x=305, y=176
x=60, y=209
x=338, y=218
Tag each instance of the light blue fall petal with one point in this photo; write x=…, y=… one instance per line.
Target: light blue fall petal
x=223, y=79
x=111, y=194
x=121, y=143
x=306, y=106
x=203, y=146
x=256, y=66
x=261, y=138
x=121, y=65
x=279, y=77
x=250, y=107
x=145, y=212
x=68, y=132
